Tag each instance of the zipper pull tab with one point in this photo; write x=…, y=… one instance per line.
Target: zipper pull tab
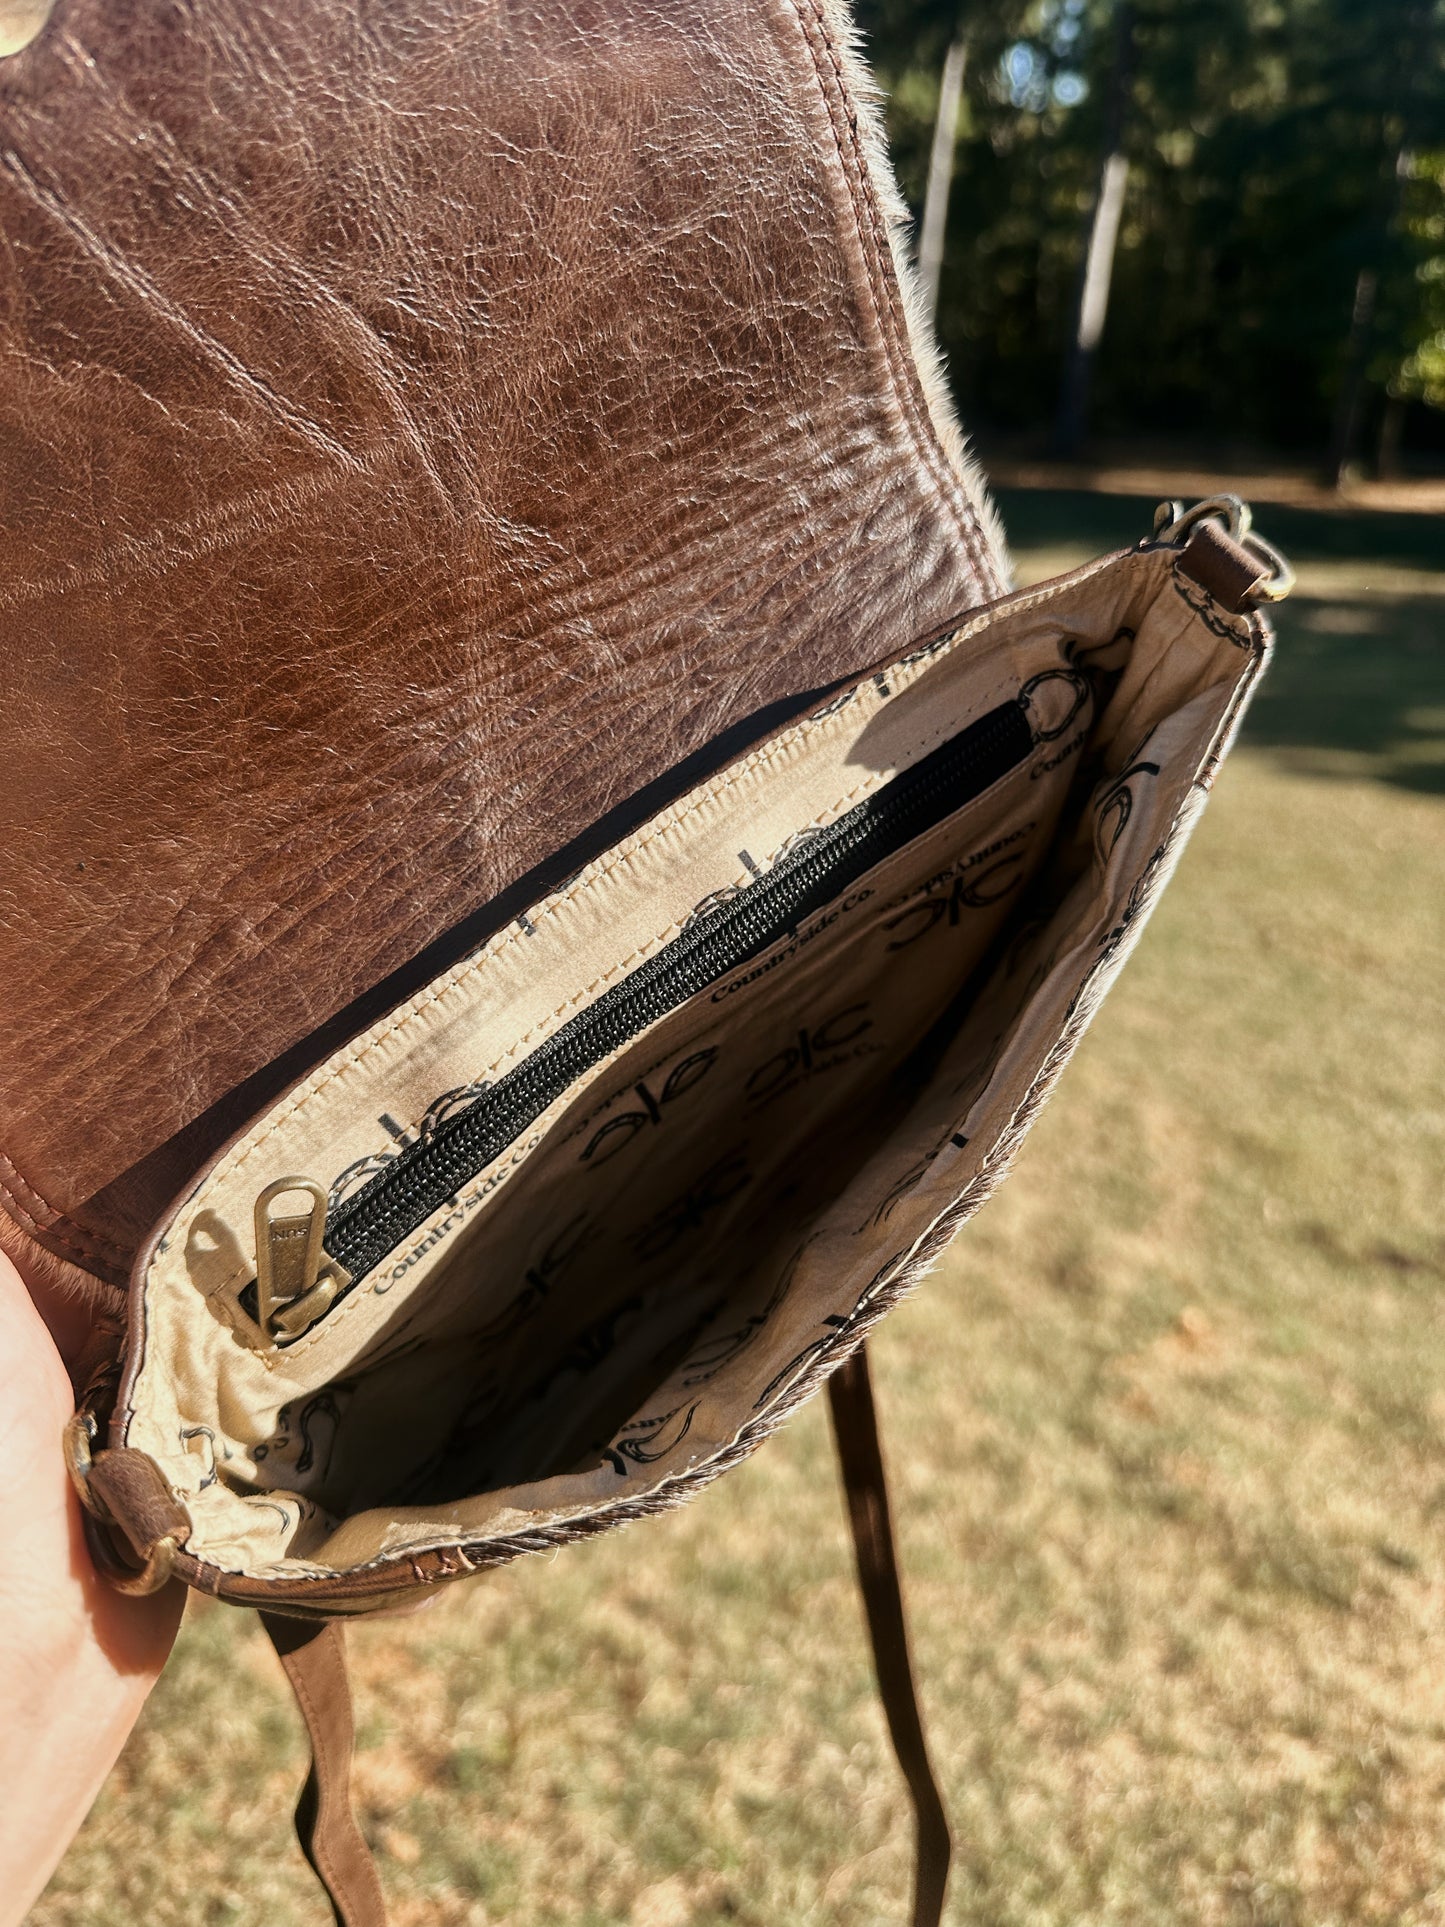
x=297, y=1279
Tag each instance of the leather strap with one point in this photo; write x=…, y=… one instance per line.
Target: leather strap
x=314, y=1656
x=855, y=1428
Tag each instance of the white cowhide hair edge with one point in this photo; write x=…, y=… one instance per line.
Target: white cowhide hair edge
x=867, y=99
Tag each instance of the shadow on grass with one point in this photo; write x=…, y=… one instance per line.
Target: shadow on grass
x=1045, y=517
x=1357, y=688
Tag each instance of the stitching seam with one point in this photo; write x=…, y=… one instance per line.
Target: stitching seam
x=85, y=1243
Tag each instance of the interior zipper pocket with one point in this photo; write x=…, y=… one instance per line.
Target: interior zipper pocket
x=365, y=1228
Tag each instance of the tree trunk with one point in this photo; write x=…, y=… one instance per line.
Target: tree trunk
x=1352, y=382
x=940, y=173
x=1092, y=300
x=1398, y=121
x=1392, y=436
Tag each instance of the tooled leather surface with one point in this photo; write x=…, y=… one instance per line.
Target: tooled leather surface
x=422, y=426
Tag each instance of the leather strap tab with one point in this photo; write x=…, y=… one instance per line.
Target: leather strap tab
x=130, y=1487
x=855, y=1428
x=314, y=1657
x=1222, y=566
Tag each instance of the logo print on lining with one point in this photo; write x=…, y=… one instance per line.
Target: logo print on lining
x=311, y=1426
x=646, y=1440
x=712, y=1353
x=537, y=1283
x=978, y=892
x=618, y=1132
x=719, y=1184
x=1116, y=805
x=815, y=1049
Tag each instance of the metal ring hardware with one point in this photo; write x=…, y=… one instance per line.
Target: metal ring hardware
x=134, y=1581
x=1275, y=586
x=80, y=1433
x=1173, y=521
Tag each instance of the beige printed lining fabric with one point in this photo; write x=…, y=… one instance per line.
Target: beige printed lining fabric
x=664, y=1255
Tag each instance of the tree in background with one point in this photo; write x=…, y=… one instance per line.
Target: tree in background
x=1420, y=373
x=1096, y=267
x=1280, y=270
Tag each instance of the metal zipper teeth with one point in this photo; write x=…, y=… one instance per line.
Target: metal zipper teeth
x=366, y=1228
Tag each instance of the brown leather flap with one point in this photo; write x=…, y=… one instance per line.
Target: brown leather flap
x=420, y=428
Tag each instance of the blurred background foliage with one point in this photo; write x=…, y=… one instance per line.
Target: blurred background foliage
x=1280, y=266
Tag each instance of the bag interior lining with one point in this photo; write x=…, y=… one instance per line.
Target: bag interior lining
x=611, y=1303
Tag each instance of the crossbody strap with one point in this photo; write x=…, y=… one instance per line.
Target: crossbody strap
x=860, y=1455
x=314, y=1658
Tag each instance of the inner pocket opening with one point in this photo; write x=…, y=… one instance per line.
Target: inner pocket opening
x=639, y=1245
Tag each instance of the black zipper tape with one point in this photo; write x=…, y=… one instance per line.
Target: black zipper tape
x=366, y=1228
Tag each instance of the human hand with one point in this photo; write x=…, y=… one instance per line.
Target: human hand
x=77, y=1659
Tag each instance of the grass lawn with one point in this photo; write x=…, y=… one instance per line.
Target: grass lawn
x=1168, y=1440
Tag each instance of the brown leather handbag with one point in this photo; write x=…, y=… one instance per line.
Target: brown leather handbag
x=545, y=877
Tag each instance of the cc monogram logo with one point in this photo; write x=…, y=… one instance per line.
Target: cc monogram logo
x=834, y=1033
x=618, y=1132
